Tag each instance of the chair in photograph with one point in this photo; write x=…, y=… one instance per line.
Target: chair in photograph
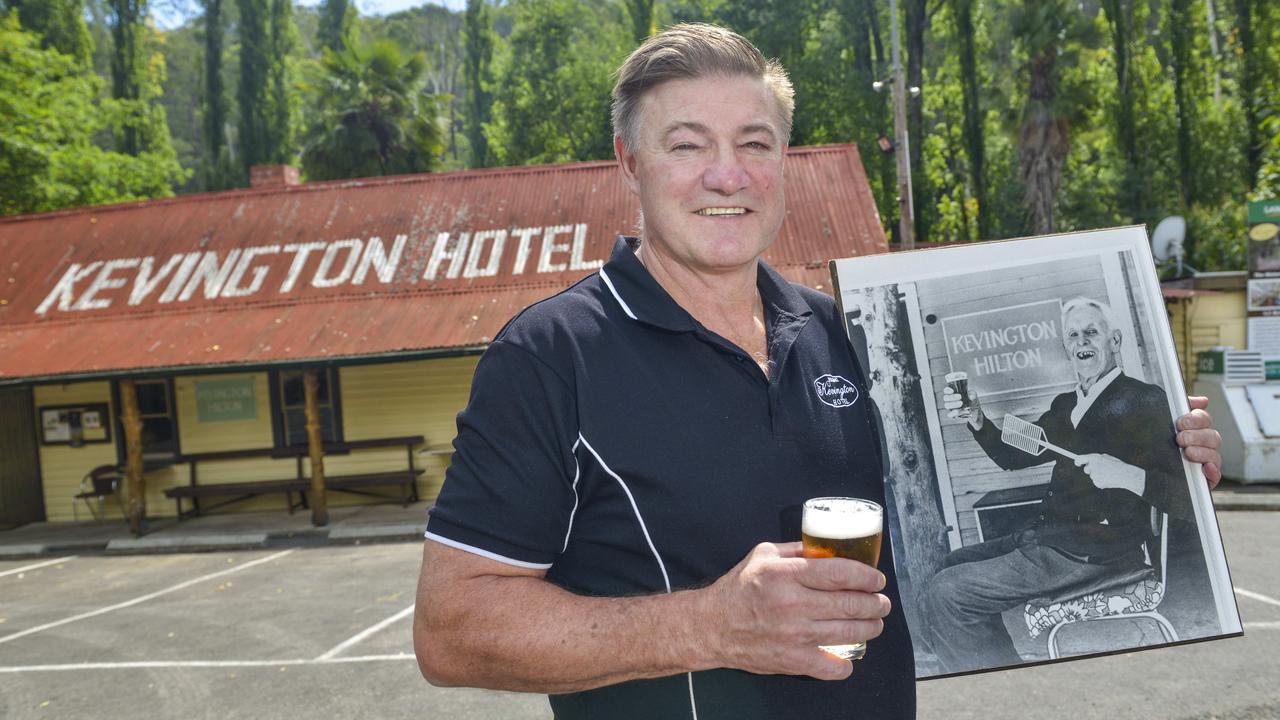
x=96, y=485
x=1134, y=594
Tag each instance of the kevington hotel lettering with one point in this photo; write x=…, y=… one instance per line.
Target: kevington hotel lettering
x=282, y=269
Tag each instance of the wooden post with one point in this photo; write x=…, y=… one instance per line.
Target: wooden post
x=912, y=479
x=134, y=481
x=311, y=392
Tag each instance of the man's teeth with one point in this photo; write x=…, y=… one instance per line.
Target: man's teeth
x=722, y=211
x=1085, y=354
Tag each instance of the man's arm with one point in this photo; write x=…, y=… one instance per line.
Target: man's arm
x=483, y=623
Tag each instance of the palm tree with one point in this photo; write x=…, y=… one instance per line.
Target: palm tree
x=376, y=118
x=1044, y=30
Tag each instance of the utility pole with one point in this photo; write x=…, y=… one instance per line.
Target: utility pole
x=902, y=151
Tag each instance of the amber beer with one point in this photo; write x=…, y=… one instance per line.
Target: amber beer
x=847, y=528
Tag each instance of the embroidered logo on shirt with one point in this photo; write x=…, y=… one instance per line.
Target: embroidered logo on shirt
x=836, y=391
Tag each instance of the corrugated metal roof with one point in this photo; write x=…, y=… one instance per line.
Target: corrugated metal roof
x=350, y=268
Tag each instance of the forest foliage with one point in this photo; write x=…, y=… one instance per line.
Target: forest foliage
x=1031, y=117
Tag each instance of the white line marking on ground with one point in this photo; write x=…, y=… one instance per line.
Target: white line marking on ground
x=360, y=636
x=144, y=598
x=1257, y=596
x=1262, y=626
x=38, y=565
x=161, y=664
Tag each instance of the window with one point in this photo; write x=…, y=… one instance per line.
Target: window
x=288, y=401
x=159, y=421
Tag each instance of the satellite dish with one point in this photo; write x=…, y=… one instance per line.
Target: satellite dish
x=1166, y=241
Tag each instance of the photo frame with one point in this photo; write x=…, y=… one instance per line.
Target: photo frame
x=1037, y=505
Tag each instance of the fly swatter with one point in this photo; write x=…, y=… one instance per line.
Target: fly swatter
x=1029, y=437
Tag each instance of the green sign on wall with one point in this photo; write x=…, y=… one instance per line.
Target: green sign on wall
x=223, y=400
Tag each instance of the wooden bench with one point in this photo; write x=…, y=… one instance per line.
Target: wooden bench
x=360, y=483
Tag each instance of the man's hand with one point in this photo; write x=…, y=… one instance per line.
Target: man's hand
x=1108, y=473
x=776, y=606
x=1199, y=441
x=952, y=402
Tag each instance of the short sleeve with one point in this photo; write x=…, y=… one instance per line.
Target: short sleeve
x=509, y=493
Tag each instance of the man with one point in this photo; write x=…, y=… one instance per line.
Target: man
x=617, y=528
x=1096, y=511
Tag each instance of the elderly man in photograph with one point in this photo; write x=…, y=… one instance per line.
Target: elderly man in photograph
x=619, y=526
x=1096, y=511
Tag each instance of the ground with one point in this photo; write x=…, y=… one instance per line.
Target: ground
x=325, y=632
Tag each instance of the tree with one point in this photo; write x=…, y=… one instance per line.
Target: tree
x=51, y=108
x=641, y=14
x=1180, y=28
x=1252, y=57
x=266, y=98
x=60, y=24
x=1135, y=188
x=974, y=137
x=217, y=163
x=1044, y=133
x=375, y=118
x=128, y=62
x=284, y=100
x=337, y=26
x=478, y=75
x=551, y=101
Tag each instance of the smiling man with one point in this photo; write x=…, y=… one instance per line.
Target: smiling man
x=618, y=527
x=1096, y=511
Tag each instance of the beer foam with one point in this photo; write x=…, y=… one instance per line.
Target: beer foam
x=842, y=520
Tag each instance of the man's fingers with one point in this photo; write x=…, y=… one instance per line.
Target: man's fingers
x=1213, y=474
x=1198, y=402
x=846, y=632
x=1192, y=439
x=790, y=549
x=840, y=574
x=825, y=666
x=1197, y=419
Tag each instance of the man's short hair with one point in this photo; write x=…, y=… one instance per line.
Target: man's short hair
x=693, y=50
x=1077, y=303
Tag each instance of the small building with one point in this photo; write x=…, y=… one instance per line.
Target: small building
x=211, y=310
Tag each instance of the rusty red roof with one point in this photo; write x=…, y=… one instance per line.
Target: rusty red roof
x=347, y=269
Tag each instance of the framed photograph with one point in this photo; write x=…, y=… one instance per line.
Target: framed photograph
x=1038, y=505
x=1264, y=295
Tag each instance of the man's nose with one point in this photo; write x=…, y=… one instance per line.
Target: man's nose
x=726, y=175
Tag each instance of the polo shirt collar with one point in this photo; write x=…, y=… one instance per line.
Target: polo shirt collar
x=643, y=299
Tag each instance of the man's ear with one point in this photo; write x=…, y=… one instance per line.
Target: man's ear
x=626, y=164
x=1115, y=342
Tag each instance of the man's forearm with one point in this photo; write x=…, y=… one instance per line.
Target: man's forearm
x=533, y=636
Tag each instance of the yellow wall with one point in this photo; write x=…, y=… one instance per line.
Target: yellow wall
x=62, y=466
x=1205, y=321
x=419, y=397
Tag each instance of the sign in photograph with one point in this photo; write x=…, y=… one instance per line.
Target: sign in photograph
x=1032, y=382
x=225, y=400
x=1008, y=349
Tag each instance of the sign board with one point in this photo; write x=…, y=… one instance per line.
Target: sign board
x=1264, y=238
x=1010, y=348
x=74, y=425
x=226, y=400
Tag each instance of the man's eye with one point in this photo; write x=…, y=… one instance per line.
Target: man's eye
x=684, y=147
x=757, y=145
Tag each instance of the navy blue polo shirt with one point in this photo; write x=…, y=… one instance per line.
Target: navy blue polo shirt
x=613, y=440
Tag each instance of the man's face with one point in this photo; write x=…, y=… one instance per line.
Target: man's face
x=708, y=170
x=1091, y=343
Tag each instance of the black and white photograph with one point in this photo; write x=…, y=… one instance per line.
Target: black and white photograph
x=1039, y=507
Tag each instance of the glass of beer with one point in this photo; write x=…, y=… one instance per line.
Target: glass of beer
x=959, y=382
x=847, y=528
